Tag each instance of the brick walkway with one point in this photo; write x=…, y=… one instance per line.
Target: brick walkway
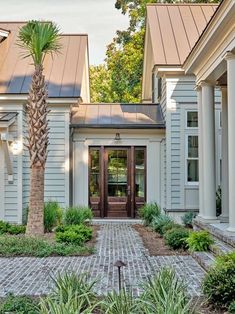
x=27, y=275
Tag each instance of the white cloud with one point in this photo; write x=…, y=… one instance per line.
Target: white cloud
x=98, y=18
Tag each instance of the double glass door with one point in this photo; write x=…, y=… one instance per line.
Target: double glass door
x=117, y=180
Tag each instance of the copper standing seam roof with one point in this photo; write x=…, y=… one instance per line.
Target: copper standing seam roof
x=63, y=72
x=117, y=116
x=175, y=28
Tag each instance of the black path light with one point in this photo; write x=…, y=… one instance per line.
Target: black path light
x=119, y=264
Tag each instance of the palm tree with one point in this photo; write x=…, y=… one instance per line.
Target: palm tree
x=38, y=39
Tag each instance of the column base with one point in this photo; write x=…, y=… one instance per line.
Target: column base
x=223, y=218
x=208, y=219
x=231, y=229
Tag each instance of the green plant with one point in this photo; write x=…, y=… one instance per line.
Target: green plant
x=199, y=241
x=5, y=227
x=187, y=219
x=176, y=238
x=77, y=215
x=77, y=234
x=164, y=293
x=219, y=282
x=148, y=212
x=19, y=305
x=119, y=303
x=160, y=223
x=52, y=215
x=231, y=307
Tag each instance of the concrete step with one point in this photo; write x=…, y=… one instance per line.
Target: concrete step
x=204, y=259
x=220, y=247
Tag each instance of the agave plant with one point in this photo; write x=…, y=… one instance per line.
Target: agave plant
x=38, y=39
x=164, y=294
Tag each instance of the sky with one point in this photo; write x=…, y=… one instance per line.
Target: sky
x=97, y=18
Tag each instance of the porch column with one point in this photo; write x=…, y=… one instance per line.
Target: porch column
x=230, y=57
x=208, y=145
x=200, y=138
x=224, y=184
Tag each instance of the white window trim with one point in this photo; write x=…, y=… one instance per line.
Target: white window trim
x=186, y=119
x=189, y=183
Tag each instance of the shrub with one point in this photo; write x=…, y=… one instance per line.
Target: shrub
x=219, y=282
x=161, y=222
x=19, y=305
x=231, y=308
x=187, y=219
x=119, y=303
x=176, y=238
x=148, y=212
x=5, y=227
x=77, y=215
x=199, y=241
x=77, y=234
x=165, y=293
x=52, y=215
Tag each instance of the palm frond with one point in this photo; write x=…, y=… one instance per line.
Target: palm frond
x=38, y=39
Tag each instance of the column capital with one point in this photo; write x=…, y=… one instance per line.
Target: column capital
x=229, y=56
x=223, y=88
x=207, y=83
x=197, y=87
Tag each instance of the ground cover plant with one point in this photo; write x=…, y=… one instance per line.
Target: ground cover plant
x=76, y=234
x=77, y=215
x=219, y=282
x=18, y=305
x=199, y=241
x=6, y=228
x=148, y=212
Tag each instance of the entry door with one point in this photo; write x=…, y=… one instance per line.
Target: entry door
x=117, y=182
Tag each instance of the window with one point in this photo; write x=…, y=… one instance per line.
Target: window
x=192, y=119
x=94, y=173
x=192, y=159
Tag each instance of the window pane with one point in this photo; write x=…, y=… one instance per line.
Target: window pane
x=192, y=170
x=193, y=146
x=139, y=173
x=192, y=119
x=94, y=173
x=117, y=172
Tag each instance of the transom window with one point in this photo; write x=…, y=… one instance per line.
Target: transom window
x=192, y=119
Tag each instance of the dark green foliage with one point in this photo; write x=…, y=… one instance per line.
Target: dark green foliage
x=187, y=219
x=160, y=223
x=18, y=305
x=76, y=234
x=77, y=215
x=165, y=293
x=27, y=246
x=219, y=282
x=199, y=241
x=5, y=227
x=231, y=308
x=176, y=238
x=148, y=212
x=52, y=215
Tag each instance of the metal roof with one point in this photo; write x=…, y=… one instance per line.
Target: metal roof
x=7, y=116
x=63, y=72
x=175, y=28
x=116, y=115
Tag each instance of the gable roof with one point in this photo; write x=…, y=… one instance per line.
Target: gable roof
x=116, y=115
x=175, y=28
x=63, y=72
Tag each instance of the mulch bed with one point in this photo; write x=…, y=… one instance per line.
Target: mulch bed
x=155, y=243
x=202, y=307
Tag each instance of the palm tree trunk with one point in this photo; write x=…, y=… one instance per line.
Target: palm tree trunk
x=37, y=146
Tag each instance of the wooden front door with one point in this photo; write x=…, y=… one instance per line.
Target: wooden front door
x=117, y=181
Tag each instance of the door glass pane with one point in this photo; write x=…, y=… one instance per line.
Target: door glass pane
x=94, y=172
x=193, y=146
x=139, y=173
x=117, y=172
x=193, y=173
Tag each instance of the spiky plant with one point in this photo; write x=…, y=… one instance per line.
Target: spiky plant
x=37, y=39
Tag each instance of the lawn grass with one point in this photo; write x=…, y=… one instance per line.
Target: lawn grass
x=12, y=246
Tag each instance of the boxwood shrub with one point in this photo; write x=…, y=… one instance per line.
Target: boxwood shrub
x=5, y=227
x=76, y=234
x=176, y=238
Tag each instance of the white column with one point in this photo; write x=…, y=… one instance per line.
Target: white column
x=209, y=177
x=230, y=57
x=200, y=138
x=224, y=184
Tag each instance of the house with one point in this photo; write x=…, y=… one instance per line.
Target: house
x=67, y=78
x=172, y=30
x=175, y=148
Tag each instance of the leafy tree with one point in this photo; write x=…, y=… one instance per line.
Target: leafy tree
x=38, y=39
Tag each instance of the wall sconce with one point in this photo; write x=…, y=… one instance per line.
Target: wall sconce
x=117, y=137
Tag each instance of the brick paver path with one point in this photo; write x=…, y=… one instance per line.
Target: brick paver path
x=32, y=276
